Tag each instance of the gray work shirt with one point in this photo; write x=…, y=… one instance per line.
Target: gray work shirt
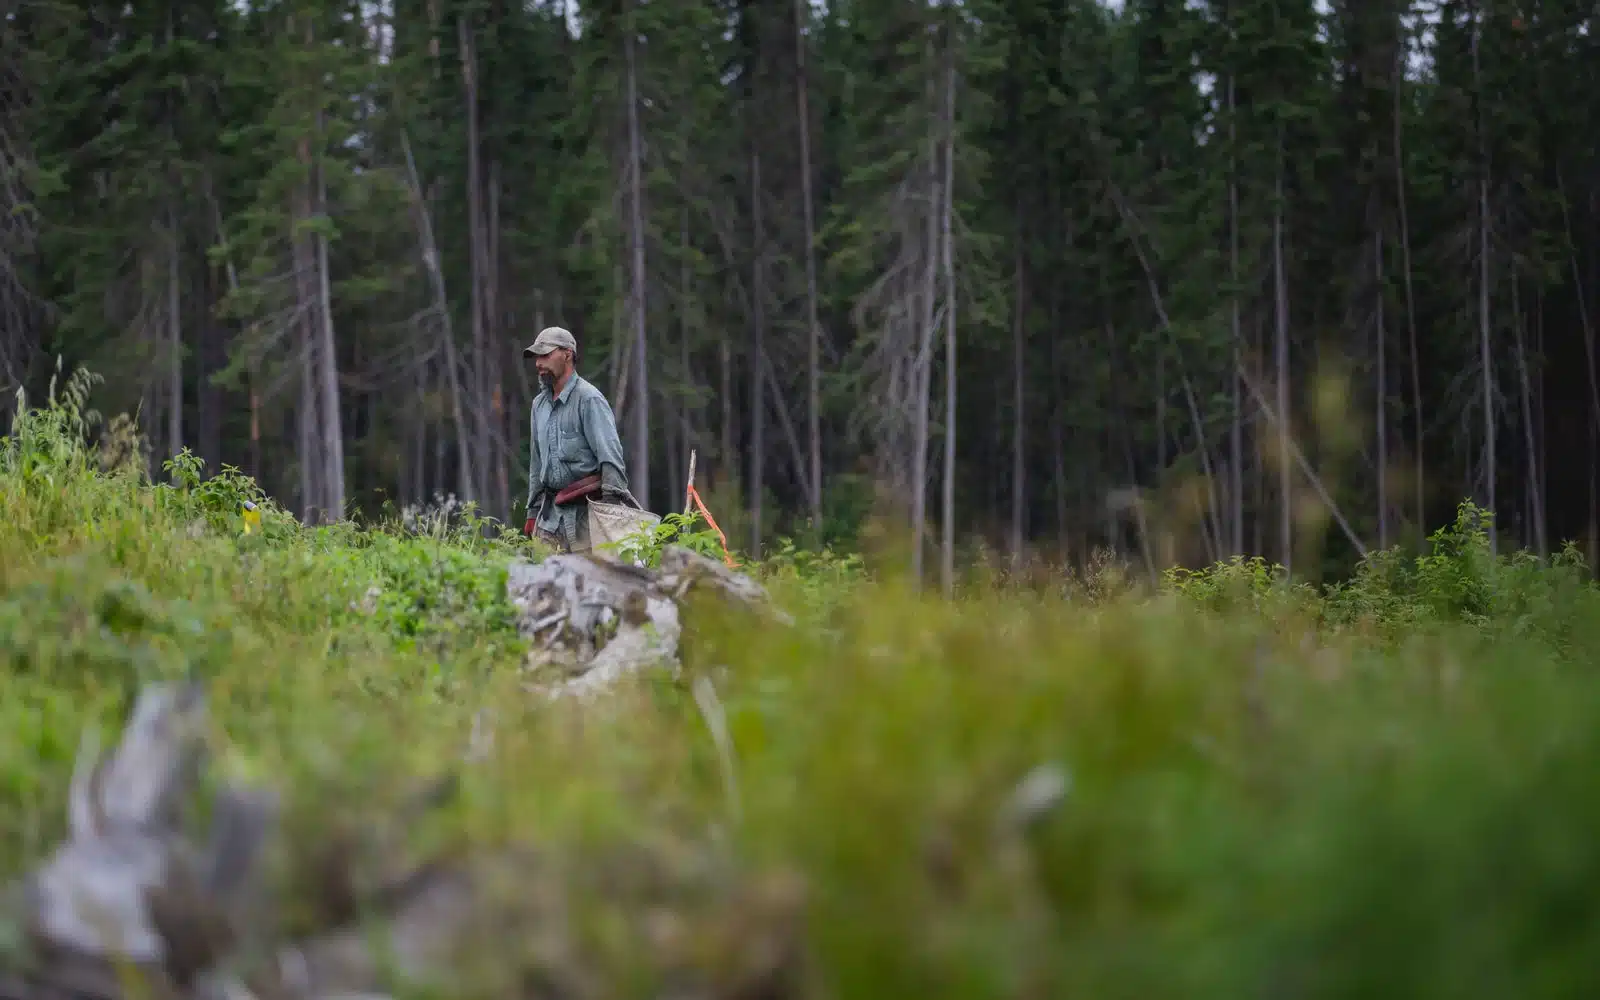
x=572, y=435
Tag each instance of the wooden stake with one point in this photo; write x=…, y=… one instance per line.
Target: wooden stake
x=688, y=489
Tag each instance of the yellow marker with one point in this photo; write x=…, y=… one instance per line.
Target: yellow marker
x=252, y=517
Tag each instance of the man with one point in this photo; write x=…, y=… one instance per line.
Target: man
x=574, y=452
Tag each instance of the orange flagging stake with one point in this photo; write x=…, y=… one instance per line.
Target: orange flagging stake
x=695, y=501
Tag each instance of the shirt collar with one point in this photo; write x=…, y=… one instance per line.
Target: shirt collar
x=566, y=390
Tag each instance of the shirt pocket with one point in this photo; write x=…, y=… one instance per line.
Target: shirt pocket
x=572, y=448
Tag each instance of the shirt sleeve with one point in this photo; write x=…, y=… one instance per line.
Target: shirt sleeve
x=600, y=427
x=535, y=466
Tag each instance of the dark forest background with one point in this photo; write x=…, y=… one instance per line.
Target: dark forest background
x=1049, y=276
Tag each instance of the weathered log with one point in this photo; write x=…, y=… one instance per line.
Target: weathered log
x=129, y=907
x=595, y=621
x=127, y=890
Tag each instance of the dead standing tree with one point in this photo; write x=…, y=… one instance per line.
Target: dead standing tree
x=17, y=229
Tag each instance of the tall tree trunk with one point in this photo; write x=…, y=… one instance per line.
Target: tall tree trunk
x=728, y=456
x=221, y=236
x=1485, y=360
x=308, y=437
x=1536, y=524
x=478, y=367
x=1381, y=403
x=1280, y=290
x=1236, y=427
x=174, y=313
x=1211, y=523
x=332, y=427
x=814, y=332
x=947, y=571
x=498, y=455
x=1579, y=289
x=925, y=332
x=441, y=306
x=1019, y=472
x=639, y=459
x=1411, y=300
x=683, y=341
x=758, y=351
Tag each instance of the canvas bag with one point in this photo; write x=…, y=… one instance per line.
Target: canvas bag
x=612, y=522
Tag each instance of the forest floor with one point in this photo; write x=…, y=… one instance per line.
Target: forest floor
x=1227, y=787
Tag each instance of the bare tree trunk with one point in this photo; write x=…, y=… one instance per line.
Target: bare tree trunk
x=175, y=338
x=1536, y=523
x=947, y=571
x=1019, y=473
x=1280, y=288
x=1411, y=301
x=1236, y=429
x=1382, y=415
x=332, y=427
x=308, y=439
x=174, y=313
x=1161, y=408
x=791, y=437
x=620, y=362
x=1542, y=455
x=1485, y=358
x=1211, y=524
x=1310, y=474
x=500, y=503
x=813, y=340
x=728, y=456
x=441, y=305
x=925, y=331
x=758, y=406
x=233, y=286
x=639, y=460
x=478, y=366
x=686, y=412
x=1579, y=286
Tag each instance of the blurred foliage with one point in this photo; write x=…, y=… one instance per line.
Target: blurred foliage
x=1375, y=788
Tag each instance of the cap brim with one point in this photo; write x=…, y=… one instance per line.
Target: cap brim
x=529, y=352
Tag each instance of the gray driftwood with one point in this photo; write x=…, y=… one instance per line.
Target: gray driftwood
x=131, y=905
x=127, y=891
x=594, y=621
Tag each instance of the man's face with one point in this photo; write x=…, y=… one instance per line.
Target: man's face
x=553, y=366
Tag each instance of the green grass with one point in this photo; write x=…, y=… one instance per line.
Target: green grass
x=1380, y=789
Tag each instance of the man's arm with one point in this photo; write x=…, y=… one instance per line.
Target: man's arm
x=600, y=427
x=535, y=466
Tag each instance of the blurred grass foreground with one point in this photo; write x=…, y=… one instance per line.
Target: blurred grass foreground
x=1232, y=787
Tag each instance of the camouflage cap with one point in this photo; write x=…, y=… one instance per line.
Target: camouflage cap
x=550, y=338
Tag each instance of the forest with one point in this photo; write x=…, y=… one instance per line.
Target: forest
x=1228, y=364
x=1184, y=280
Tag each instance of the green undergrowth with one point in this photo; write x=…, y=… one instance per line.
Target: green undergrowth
x=1383, y=788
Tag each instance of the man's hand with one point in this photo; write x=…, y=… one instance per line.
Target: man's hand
x=527, y=528
x=614, y=488
x=619, y=496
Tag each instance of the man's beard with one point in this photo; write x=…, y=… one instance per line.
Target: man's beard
x=547, y=380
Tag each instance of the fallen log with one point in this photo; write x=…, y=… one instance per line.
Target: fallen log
x=131, y=906
x=594, y=621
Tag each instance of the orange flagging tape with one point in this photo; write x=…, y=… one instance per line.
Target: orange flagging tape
x=694, y=498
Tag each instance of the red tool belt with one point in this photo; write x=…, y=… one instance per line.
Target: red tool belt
x=578, y=490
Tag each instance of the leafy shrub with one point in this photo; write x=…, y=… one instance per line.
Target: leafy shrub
x=47, y=444
x=1241, y=584
x=644, y=547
